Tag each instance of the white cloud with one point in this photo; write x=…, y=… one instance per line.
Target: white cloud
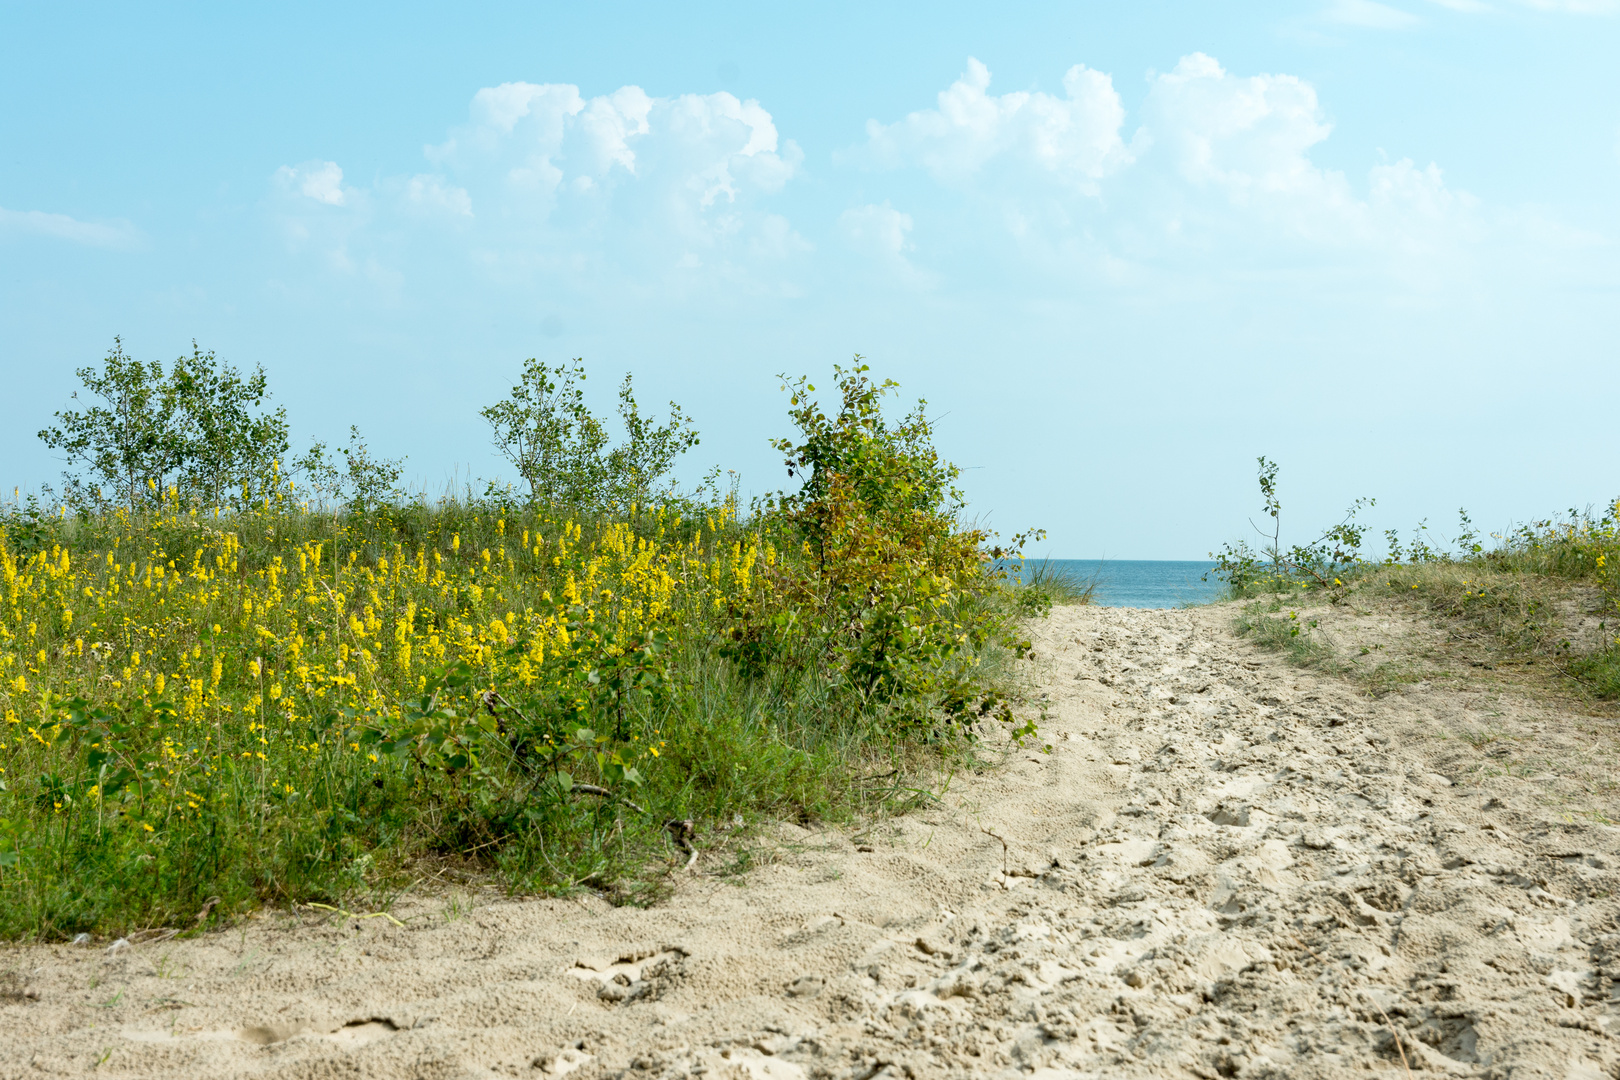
x=1241, y=145
x=114, y=235
x=877, y=230
x=881, y=234
x=542, y=183
x=1248, y=135
x=1215, y=175
x=609, y=123
x=1246, y=140
x=1219, y=162
x=1073, y=139
x=545, y=138
x=430, y=194
x=318, y=180
x=1369, y=14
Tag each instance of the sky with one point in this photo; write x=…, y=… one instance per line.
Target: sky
x=1121, y=250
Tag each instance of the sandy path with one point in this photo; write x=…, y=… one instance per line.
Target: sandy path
x=1224, y=868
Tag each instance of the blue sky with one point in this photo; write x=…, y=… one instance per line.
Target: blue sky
x=1121, y=249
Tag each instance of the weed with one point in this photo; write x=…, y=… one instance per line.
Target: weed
x=1300, y=640
x=1515, y=596
x=1600, y=672
x=1390, y=676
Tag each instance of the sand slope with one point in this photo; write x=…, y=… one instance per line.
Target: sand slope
x=1226, y=867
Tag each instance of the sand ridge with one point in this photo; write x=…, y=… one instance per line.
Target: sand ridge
x=1224, y=867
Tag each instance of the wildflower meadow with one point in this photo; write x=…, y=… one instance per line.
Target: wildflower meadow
x=290, y=682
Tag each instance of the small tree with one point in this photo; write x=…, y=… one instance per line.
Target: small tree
x=649, y=451
x=360, y=481
x=548, y=433
x=201, y=427
x=230, y=445
x=129, y=442
x=1322, y=563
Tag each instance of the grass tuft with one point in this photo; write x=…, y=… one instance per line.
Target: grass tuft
x=1300, y=640
x=1044, y=584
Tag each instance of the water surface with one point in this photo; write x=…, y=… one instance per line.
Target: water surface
x=1143, y=583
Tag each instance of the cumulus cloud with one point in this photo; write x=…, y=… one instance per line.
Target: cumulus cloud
x=1247, y=141
x=1248, y=135
x=543, y=140
x=1074, y=139
x=1216, y=170
x=432, y=195
x=113, y=235
x=543, y=181
x=321, y=181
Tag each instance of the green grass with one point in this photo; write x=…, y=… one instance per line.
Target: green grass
x=1042, y=584
x=233, y=708
x=1599, y=673
x=1299, y=639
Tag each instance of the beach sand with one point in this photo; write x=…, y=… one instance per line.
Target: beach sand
x=1225, y=867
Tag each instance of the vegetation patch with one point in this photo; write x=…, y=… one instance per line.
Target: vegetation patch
x=223, y=689
x=1547, y=593
x=1299, y=639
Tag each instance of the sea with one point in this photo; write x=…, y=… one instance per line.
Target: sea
x=1142, y=583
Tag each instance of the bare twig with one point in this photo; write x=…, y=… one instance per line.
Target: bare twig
x=1399, y=1049
x=1389, y=1024
x=682, y=830
x=208, y=905
x=353, y=915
